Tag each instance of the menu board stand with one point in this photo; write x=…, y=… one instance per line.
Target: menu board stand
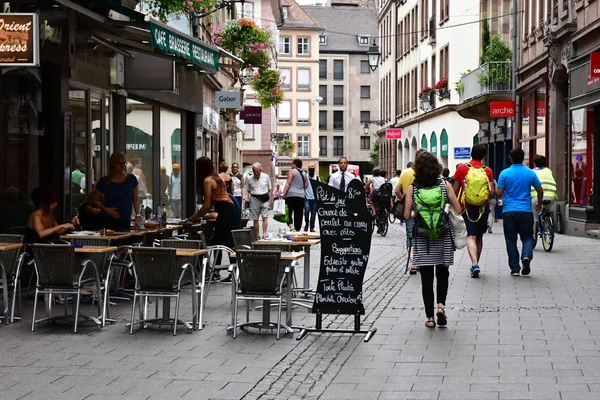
x=346, y=229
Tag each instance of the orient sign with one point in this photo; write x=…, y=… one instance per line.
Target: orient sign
x=595, y=65
x=19, y=40
x=393, y=133
x=502, y=109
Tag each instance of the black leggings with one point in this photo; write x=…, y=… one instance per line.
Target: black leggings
x=223, y=224
x=296, y=209
x=442, y=274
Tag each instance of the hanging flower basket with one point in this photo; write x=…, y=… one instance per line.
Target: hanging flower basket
x=161, y=9
x=287, y=146
x=267, y=85
x=426, y=92
x=442, y=84
x=246, y=40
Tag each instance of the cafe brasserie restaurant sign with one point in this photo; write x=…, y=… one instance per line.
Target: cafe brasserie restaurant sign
x=19, y=40
x=184, y=47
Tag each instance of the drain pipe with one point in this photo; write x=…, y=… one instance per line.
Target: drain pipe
x=516, y=128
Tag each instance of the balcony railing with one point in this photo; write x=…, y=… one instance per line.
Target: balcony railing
x=492, y=77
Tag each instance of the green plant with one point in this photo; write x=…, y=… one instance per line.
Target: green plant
x=246, y=40
x=287, y=146
x=485, y=38
x=267, y=85
x=459, y=86
x=374, y=154
x=161, y=9
x=495, y=56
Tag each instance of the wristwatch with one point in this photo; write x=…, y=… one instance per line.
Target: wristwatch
x=137, y=215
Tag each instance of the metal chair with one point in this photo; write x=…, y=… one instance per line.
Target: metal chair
x=55, y=267
x=151, y=239
x=243, y=238
x=158, y=274
x=200, y=268
x=283, y=248
x=103, y=262
x=11, y=264
x=256, y=278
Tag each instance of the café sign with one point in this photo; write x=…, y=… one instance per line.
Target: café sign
x=186, y=48
x=19, y=40
x=595, y=64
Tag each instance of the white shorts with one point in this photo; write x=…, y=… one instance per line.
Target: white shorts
x=549, y=206
x=258, y=209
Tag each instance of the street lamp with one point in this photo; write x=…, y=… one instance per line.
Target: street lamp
x=246, y=75
x=374, y=56
x=378, y=122
x=366, y=128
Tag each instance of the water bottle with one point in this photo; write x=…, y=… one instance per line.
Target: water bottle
x=158, y=217
x=163, y=216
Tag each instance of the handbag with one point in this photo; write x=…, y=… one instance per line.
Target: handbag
x=262, y=197
x=398, y=210
x=283, y=218
x=460, y=229
x=279, y=207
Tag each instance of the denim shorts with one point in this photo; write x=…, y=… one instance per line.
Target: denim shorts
x=410, y=224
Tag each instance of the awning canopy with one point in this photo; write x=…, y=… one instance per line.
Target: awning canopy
x=433, y=143
x=424, y=142
x=444, y=143
x=176, y=142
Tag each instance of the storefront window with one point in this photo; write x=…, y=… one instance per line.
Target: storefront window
x=170, y=162
x=582, y=154
x=96, y=104
x=20, y=132
x=138, y=146
x=78, y=167
x=540, y=113
x=525, y=129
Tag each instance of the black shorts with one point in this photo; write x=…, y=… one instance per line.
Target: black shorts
x=476, y=224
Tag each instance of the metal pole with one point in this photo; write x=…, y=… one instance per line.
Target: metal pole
x=515, y=64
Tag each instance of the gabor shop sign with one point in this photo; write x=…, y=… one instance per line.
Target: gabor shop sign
x=19, y=40
x=595, y=65
x=226, y=99
x=502, y=109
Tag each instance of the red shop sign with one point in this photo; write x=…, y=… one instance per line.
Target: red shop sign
x=502, y=109
x=393, y=133
x=595, y=65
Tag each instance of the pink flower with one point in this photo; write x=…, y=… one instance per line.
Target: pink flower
x=191, y=9
x=183, y=3
x=262, y=46
x=190, y=4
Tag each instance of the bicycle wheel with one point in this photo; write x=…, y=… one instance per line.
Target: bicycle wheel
x=391, y=217
x=383, y=225
x=548, y=233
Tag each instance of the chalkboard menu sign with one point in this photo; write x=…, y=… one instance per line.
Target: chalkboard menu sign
x=346, y=229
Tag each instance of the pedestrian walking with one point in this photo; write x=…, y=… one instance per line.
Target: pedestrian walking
x=428, y=199
x=472, y=184
x=406, y=179
x=258, y=186
x=238, y=183
x=342, y=177
x=310, y=204
x=493, y=203
x=514, y=187
x=294, y=194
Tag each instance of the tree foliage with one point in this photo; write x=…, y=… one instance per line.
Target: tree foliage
x=374, y=154
x=485, y=38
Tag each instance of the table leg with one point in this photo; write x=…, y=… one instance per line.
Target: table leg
x=5, y=293
x=266, y=312
x=167, y=309
x=290, y=293
x=307, y=268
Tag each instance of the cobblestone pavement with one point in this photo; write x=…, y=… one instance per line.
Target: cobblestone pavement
x=533, y=337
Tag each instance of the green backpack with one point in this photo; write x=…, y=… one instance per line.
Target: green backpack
x=431, y=221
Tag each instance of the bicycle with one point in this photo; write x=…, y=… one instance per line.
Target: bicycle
x=545, y=227
x=381, y=219
x=391, y=216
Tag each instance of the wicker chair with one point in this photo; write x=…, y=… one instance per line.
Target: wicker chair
x=158, y=274
x=200, y=268
x=103, y=262
x=243, y=238
x=151, y=238
x=283, y=248
x=11, y=264
x=55, y=267
x=256, y=278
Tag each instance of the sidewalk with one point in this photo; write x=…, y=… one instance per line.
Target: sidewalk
x=533, y=337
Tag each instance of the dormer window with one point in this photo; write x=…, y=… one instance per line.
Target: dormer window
x=285, y=12
x=363, y=40
x=323, y=39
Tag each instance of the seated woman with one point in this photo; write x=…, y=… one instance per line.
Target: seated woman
x=41, y=225
x=89, y=212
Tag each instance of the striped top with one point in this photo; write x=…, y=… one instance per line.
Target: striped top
x=434, y=251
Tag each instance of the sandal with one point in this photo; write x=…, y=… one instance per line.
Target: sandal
x=430, y=323
x=489, y=230
x=442, y=321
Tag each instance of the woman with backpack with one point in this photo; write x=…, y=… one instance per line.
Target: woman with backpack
x=294, y=193
x=428, y=200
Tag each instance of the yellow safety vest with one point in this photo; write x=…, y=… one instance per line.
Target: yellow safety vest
x=548, y=183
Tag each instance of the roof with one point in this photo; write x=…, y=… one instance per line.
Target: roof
x=343, y=25
x=298, y=18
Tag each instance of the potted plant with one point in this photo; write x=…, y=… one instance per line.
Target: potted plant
x=267, y=85
x=425, y=93
x=287, y=146
x=459, y=86
x=442, y=89
x=161, y=9
x=246, y=40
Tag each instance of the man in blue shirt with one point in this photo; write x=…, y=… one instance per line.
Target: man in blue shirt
x=514, y=187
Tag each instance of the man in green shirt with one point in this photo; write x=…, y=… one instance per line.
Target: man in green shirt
x=78, y=175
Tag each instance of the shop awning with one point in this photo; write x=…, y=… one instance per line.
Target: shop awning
x=121, y=9
x=168, y=40
x=433, y=143
x=176, y=142
x=424, y=142
x=138, y=144
x=444, y=143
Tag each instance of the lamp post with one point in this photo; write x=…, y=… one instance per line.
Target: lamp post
x=374, y=56
x=246, y=75
x=378, y=122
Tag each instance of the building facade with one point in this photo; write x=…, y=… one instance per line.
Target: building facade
x=347, y=86
x=427, y=57
x=298, y=63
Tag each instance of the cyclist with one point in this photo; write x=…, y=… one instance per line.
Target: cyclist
x=545, y=176
x=372, y=187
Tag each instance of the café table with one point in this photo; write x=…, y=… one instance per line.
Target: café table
x=311, y=235
x=306, y=245
x=166, y=315
x=266, y=317
x=6, y=247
